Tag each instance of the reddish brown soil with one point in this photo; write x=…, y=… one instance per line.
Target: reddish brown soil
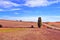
x=10, y=23
x=6, y=23
x=31, y=34
x=42, y=33
x=55, y=24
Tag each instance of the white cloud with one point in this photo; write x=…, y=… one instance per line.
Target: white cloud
x=11, y=9
x=35, y=3
x=51, y=18
x=1, y=10
x=34, y=19
x=29, y=3
x=7, y=4
x=16, y=9
x=16, y=13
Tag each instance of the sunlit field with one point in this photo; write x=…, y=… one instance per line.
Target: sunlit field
x=11, y=29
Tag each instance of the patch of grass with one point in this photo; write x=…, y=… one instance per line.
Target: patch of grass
x=11, y=29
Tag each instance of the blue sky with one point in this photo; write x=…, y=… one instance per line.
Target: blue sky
x=30, y=10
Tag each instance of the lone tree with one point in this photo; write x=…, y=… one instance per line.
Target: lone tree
x=39, y=22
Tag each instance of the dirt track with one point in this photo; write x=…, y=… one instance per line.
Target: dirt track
x=31, y=34
x=51, y=27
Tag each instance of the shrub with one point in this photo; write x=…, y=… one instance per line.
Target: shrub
x=32, y=26
x=46, y=22
x=20, y=20
x=0, y=26
x=39, y=22
x=17, y=20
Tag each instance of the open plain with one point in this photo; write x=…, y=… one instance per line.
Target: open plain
x=13, y=30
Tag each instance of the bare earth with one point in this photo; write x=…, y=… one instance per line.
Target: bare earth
x=31, y=34
x=42, y=33
x=55, y=24
x=14, y=24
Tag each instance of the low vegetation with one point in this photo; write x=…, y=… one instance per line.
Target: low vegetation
x=0, y=26
x=11, y=29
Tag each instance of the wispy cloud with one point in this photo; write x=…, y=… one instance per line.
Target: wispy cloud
x=29, y=3
x=50, y=18
x=8, y=4
x=36, y=3
x=16, y=13
x=34, y=19
x=1, y=10
x=15, y=9
x=11, y=9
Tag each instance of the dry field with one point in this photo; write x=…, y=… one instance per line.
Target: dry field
x=13, y=24
x=26, y=33
x=55, y=24
x=29, y=34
